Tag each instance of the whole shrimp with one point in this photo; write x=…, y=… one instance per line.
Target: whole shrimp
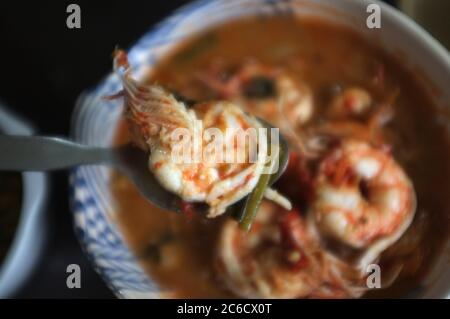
x=265, y=262
x=362, y=199
x=281, y=257
x=154, y=115
x=268, y=92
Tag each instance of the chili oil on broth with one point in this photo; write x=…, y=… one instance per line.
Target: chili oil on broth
x=177, y=250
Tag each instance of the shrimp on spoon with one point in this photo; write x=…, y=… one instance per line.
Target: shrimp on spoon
x=157, y=118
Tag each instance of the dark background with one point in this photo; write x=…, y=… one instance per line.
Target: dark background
x=44, y=67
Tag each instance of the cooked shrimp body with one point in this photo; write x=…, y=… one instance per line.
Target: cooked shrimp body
x=291, y=103
x=264, y=264
x=351, y=102
x=155, y=116
x=270, y=93
x=281, y=257
x=363, y=198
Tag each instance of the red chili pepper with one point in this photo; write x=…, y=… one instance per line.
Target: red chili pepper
x=187, y=209
x=290, y=223
x=350, y=103
x=292, y=234
x=297, y=182
x=302, y=263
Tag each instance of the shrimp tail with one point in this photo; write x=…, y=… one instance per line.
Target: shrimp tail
x=150, y=107
x=120, y=60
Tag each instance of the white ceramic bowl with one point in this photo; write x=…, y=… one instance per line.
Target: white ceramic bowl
x=31, y=232
x=95, y=119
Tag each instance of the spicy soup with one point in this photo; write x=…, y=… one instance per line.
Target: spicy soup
x=178, y=251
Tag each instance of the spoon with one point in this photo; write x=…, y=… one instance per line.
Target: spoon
x=40, y=153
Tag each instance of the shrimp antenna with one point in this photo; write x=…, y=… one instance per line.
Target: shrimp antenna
x=301, y=145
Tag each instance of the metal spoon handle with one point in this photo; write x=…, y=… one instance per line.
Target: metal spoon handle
x=38, y=153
